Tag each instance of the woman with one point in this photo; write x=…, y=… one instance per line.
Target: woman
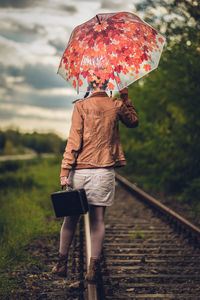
x=93, y=151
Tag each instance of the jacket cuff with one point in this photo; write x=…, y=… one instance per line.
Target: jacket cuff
x=64, y=172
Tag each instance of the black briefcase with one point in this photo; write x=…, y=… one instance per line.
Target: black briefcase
x=69, y=202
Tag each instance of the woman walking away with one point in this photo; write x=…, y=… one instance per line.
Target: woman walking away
x=93, y=151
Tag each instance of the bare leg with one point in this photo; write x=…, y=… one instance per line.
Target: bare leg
x=97, y=229
x=67, y=233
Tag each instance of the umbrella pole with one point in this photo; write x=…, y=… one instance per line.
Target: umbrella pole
x=98, y=19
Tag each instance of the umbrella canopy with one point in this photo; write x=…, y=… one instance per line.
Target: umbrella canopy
x=110, y=51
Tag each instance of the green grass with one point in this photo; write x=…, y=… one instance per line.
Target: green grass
x=137, y=235
x=26, y=210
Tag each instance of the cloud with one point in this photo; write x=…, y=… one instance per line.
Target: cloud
x=2, y=80
x=13, y=53
x=116, y=5
x=10, y=70
x=18, y=3
x=31, y=118
x=58, y=45
x=69, y=8
x=35, y=85
x=38, y=76
x=42, y=76
x=19, y=32
x=34, y=98
x=47, y=101
x=27, y=112
x=17, y=90
x=20, y=54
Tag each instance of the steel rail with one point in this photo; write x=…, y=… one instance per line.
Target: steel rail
x=187, y=227
x=91, y=288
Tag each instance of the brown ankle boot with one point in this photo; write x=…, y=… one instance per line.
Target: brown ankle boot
x=93, y=273
x=60, y=268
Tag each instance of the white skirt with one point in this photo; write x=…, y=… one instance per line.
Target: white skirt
x=99, y=184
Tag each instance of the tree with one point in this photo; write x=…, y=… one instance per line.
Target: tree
x=173, y=17
x=8, y=149
x=164, y=150
x=2, y=139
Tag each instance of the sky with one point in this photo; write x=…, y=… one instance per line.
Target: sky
x=33, y=37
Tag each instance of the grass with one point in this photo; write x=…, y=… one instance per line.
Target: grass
x=137, y=235
x=26, y=210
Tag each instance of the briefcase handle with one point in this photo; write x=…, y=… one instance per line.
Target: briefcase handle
x=67, y=187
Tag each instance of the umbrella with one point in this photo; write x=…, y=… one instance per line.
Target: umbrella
x=110, y=51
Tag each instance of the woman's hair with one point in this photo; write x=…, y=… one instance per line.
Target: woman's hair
x=86, y=94
x=93, y=85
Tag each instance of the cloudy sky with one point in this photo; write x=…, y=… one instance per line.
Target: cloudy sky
x=33, y=36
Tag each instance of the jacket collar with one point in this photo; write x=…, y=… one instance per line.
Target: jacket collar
x=99, y=94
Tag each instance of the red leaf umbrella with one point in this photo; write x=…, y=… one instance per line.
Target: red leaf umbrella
x=110, y=51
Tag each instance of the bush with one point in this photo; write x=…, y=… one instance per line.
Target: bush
x=25, y=206
x=191, y=193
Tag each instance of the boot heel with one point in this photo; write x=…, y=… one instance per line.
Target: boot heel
x=94, y=271
x=60, y=268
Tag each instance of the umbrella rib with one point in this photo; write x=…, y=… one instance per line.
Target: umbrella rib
x=78, y=85
x=116, y=81
x=113, y=71
x=119, y=78
x=81, y=63
x=82, y=57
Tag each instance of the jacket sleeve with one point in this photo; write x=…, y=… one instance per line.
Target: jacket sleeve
x=127, y=113
x=74, y=142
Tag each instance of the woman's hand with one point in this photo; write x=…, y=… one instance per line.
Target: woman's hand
x=124, y=90
x=124, y=94
x=64, y=181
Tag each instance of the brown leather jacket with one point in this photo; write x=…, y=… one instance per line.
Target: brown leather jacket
x=94, y=135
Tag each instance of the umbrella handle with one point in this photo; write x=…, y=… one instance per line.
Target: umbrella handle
x=98, y=19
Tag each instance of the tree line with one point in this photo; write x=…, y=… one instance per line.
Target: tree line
x=15, y=142
x=163, y=153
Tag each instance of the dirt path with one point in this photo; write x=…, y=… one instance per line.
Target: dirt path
x=24, y=156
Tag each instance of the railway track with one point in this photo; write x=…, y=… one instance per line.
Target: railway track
x=149, y=252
